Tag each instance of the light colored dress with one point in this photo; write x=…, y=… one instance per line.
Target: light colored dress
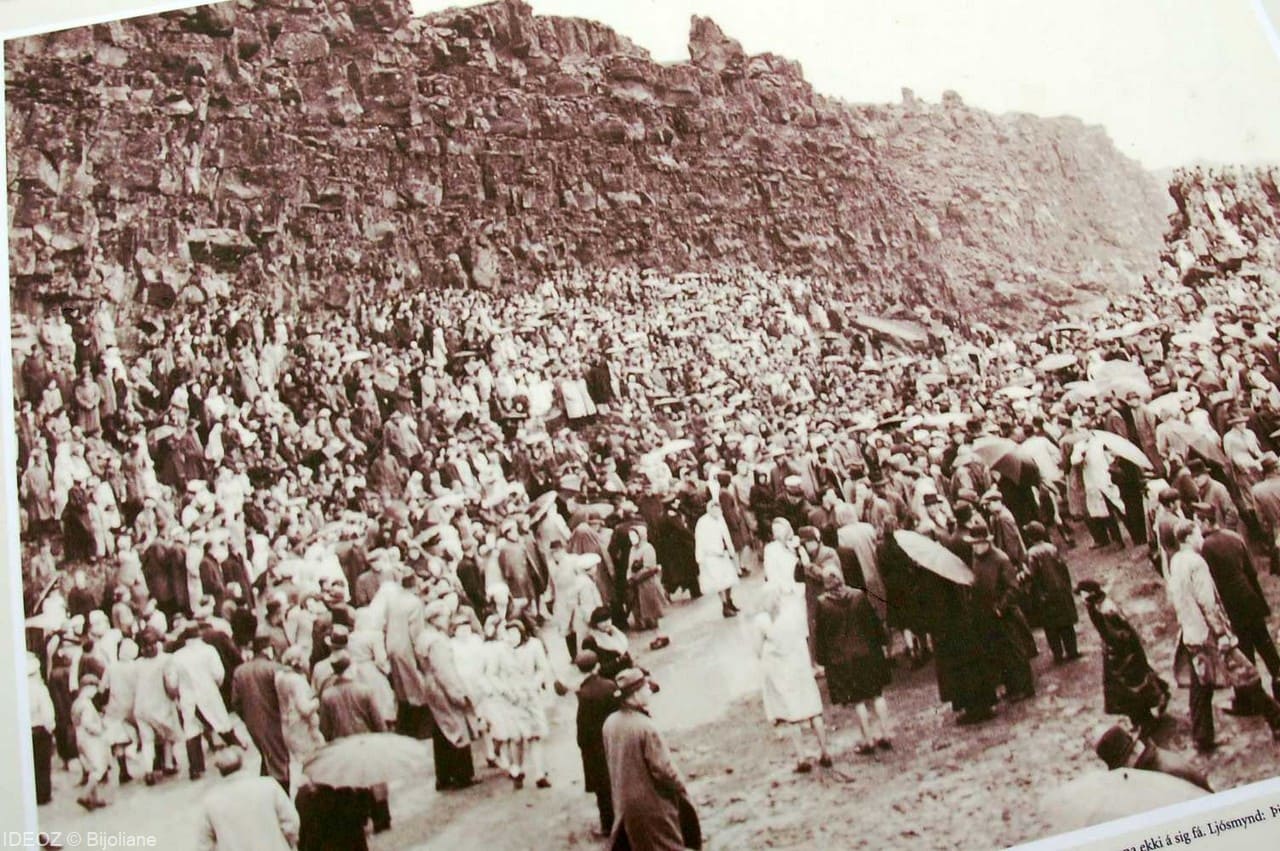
x=532, y=686
x=715, y=553
x=496, y=704
x=789, y=689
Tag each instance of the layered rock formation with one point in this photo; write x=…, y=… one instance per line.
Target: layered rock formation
x=306, y=144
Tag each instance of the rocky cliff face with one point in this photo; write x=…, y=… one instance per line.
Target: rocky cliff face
x=306, y=144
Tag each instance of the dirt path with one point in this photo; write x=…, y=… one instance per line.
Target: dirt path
x=942, y=787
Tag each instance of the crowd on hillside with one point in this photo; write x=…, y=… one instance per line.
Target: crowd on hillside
x=335, y=523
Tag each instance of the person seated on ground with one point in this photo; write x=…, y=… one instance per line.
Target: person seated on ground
x=1118, y=749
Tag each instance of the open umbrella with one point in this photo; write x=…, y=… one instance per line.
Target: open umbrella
x=1106, y=795
x=1056, y=361
x=367, y=759
x=933, y=557
x=1008, y=459
x=671, y=447
x=907, y=332
x=1122, y=448
x=947, y=420
x=1168, y=404
x=1015, y=392
x=1079, y=391
x=1119, y=377
x=1186, y=438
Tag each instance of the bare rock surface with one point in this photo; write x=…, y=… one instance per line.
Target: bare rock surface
x=486, y=130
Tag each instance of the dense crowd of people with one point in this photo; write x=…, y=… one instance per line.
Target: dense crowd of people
x=336, y=523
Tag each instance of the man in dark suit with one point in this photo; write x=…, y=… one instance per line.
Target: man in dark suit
x=1233, y=573
x=254, y=699
x=596, y=702
x=347, y=705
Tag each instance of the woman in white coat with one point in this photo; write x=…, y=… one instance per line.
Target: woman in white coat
x=1103, y=504
x=791, y=696
x=717, y=560
x=200, y=681
x=781, y=559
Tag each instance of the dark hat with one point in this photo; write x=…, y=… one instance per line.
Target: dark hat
x=1035, y=531
x=599, y=616
x=1196, y=466
x=340, y=660
x=931, y=498
x=1088, y=586
x=630, y=681
x=1115, y=746
x=809, y=533
x=977, y=531
x=338, y=637
x=586, y=661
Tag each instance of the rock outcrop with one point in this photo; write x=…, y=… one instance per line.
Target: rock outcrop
x=308, y=143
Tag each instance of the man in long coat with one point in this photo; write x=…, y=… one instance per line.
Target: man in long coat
x=244, y=813
x=254, y=699
x=596, y=702
x=398, y=612
x=998, y=622
x=645, y=785
x=1231, y=566
x=447, y=699
x=817, y=560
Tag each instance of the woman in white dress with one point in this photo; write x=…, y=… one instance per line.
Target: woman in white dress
x=716, y=557
x=493, y=706
x=535, y=687
x=791, y=696
x=781, y=561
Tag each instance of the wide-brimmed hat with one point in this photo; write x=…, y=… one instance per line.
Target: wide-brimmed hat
x=630, y=681
x=1114, y=746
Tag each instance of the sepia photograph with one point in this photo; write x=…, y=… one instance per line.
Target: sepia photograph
x=552, y=424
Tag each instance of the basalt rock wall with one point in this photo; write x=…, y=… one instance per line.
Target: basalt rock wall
x=305, y=145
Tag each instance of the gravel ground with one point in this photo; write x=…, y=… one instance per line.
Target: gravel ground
x=943, y=786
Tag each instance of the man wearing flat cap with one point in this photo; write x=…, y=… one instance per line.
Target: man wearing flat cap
x=998, y=623
x=645, y=785
x=1214, y=494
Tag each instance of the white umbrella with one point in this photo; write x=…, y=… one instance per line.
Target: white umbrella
x=1056, y=361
